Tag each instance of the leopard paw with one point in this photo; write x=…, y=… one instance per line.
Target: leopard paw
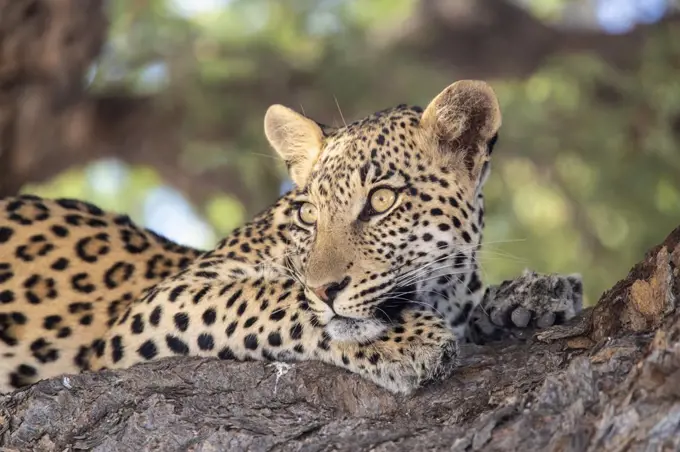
x=419, y=365
x=531, y=301
x=420, y=350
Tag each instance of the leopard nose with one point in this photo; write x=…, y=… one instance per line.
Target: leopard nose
x=329, y=292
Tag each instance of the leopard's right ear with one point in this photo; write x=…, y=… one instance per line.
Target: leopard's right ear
x=297, y=139
x=464, y=120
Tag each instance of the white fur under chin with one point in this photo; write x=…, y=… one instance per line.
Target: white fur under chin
x=355, y=330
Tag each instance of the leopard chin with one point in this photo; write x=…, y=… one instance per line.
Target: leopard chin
x=344, y=329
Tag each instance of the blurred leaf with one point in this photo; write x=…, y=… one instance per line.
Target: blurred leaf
x=225, y=213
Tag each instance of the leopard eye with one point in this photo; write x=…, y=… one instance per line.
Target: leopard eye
x=307, y=213
x=382, y=199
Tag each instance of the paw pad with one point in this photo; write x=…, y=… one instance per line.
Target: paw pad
x=531, y=301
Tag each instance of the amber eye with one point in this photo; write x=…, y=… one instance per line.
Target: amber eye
x=382, y=199
x=307, y=213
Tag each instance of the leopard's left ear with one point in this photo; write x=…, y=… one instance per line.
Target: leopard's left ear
x=464, y=120
x=297, y=139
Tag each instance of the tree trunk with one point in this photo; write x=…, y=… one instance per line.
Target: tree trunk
x=46, y=47
x=610, y=380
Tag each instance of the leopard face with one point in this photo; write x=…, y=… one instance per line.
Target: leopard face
x=389, y=209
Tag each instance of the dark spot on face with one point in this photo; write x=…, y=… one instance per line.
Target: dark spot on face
x=5, y=272
x=462, y=316
x=475, y=284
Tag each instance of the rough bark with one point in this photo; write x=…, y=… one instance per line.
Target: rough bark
x=610, y=380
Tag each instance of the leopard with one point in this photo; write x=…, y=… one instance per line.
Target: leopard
x=68, y=269
x=369, y=263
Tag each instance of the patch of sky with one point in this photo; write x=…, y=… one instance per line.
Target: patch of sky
x=168, y=213
x=621, y=16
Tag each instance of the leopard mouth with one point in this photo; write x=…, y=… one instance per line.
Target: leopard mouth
x=364, y=330
x=390, y=307
x=389, y=310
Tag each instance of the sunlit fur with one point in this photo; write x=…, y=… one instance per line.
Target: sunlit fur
x=422, y=249
x=139, y=297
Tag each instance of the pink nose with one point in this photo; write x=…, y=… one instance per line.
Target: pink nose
x=328, y=292
x=321, y=292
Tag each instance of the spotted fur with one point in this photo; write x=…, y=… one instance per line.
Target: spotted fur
x=384, y=294
x=386, y=271
x=67, y=271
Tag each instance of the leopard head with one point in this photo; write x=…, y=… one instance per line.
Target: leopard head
x=388, y=209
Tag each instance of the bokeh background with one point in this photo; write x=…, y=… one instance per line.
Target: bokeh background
x=155, y=108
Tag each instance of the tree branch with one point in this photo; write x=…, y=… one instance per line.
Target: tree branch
x=607, y=379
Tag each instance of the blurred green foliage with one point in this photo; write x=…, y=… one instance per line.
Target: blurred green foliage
x=586, y=174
